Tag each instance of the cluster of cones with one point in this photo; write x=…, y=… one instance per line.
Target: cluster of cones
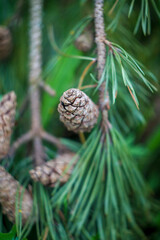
x=51, y=172
x=77, y=112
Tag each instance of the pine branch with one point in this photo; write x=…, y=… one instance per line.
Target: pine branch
x=100, y=38
x=35, y=75
x=101, y=60
x=36, y=134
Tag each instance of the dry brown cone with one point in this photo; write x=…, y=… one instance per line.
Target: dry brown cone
x=10, y=191
x=5, y=42
x=7, y=115
x=55, y=170
x=85, y=41
x=77, y=111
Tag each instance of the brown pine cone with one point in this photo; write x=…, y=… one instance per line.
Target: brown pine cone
x=77, y=111
x=5, y=42
x=7, y=115
x=85, y=41
x=53, y=171
x=9, y=188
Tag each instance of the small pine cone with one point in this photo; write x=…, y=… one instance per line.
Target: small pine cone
x=77, y=111
x=85, y=41
x=53, y=171
x=9, y=188
x=7, y=115
x=5, y=42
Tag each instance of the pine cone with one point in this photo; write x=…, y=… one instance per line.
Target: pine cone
x=7, y=115
x=85, y=41
x=9, y=188
x=77, y=111
x=54, y=170
x=5, y=42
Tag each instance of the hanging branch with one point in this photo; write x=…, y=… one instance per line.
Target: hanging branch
x=36, y=134
x=101, y=60
x=35, y=75
x=101, y=48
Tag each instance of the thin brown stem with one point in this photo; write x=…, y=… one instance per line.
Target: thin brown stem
x=46, y=233
x=88, y=86
x=113, y=7
x=82, y=137
x=84, y=73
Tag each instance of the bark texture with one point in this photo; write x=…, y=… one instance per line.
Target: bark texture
x=101, y=51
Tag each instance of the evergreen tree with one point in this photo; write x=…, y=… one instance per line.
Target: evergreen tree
x=83, y=176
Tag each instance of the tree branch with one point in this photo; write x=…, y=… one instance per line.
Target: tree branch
x=36, y=134
x=35, y=76
x=101, y=60
x=101, y=48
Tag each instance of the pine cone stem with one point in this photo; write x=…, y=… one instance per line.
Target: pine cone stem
x=82, y=137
